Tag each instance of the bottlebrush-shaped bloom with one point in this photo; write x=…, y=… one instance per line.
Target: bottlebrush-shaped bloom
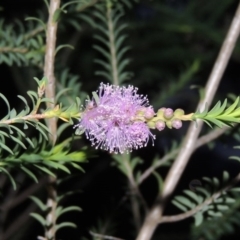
x=115, y=119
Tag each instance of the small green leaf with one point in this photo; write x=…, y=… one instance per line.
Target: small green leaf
x=29, y=173
x=77, y=167
x=36, y=19
x=230, y=200
x=185, y=201
x=68, y=209
x=10, y=177
x=215, y=214
x=65, y=224
x=216, y=183
x=63, y=46
x=39, y=218
x=5, y=147
x=39, y=203
x=203, y=113
x=222, y=207
x=44, y=169
x=18, y=141
x=7, y=103
x=57, y=166
x=203, y=191
x=159, y=180
x=134, y=162
x=225, y=177
x=103, y=52
x=13, y=113
x=236, y=189
x=25, y=102
x=96, y=97
x=71, y=2
x=232, y=107
x=198, y=219
x=179, y=205
x=69, y=193
x=235, y=158
x=218, y=109
x=193, y=195
x=30, y=142
x=57, y=14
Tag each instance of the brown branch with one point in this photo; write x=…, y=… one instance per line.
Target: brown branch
x=16, y=50
x=134, y=193
x=34, y=32
x=25, y=118
x=18, y=222
x=13, y=201
x=188, y=146
x=23, y=196
x=49, y=64
x=51, y=35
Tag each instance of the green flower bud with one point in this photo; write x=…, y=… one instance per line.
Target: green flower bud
x=178, y=112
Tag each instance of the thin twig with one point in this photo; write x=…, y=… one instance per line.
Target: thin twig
x=16, y=200
x=8, y=196
x=18, y=222
x=135, y=192
x=200, y=142
x=24, y=118
x=182, y=159
x=49, y=64
x=34, y=32
x=23, y=196
x=15, y=50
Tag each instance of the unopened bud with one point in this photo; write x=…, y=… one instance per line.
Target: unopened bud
x=168, y=113
x=160, y=125
x=176, y=123
x=178, y=112
x=149, y=113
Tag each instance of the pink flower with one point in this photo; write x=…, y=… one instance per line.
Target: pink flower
x=115, y=121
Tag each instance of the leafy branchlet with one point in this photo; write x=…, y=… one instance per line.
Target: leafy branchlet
x=38, y=154
x=210, y=201
x=220, y=115
x=22, y=47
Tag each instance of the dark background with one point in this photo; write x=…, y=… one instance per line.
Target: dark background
x=166, y=38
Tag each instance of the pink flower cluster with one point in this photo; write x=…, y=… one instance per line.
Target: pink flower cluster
x=113, y=121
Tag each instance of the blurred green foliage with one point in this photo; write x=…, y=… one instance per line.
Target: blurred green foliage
x=173, y=45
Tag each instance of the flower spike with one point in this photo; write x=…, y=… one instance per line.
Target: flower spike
x=115, y=119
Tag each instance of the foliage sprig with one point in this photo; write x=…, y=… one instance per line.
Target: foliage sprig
x=221, y=114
